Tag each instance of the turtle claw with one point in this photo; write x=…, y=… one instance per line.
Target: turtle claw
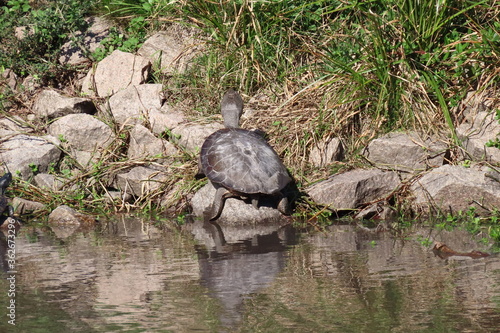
x=218, y=204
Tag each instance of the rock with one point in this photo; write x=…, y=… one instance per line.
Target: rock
x=484, y=128
x=473, y=103
x=132, y=105
x=236, y=211
x=165, y=119
x=406, y=152
x=48, y=181
x=326, y=152
x=116, y=72
x=88, y=42
x=143, y=143
x=50, y=104
x=12, y=126
x=84, y=137
x=22, y=32
x=23, y=206
x=31, y=84
x=139, y=181
x=82, y=132
x=67, y=215
x=454, y=188
x=351, y=189
x=117, y=197
x=192, y=136
x=379, y=211
x=171, y=50
x=10, y=78
x=24, y=154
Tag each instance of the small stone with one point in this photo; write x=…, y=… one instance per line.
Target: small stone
x=67, y=215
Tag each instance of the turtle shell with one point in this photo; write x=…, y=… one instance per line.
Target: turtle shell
x=243, y=162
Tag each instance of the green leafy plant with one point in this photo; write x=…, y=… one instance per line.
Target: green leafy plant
x=129, y=41
x=46, y=28
x=33, y=167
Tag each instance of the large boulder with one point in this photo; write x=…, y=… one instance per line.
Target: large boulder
x=50, y=104
x=454, y=188
x=116, y=72
x=352, y=189
x=478, y=133
x=406, y=152
x=236, y=211
x=25, y=155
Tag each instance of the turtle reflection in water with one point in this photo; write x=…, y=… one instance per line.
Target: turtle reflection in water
x=240, y=163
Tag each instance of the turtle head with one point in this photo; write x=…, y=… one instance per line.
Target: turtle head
x=231, y=108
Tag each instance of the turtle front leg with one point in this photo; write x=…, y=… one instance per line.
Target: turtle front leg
x=218, y=204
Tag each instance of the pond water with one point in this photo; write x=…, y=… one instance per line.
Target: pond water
x=131, y=275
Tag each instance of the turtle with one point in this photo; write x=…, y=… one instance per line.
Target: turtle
x=5, y=181
x=241, y=163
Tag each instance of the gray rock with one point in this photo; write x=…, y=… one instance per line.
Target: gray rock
x=67, y=215
x=139, y=181
x=406, y=152
x=82, y=132
x=116, y=72
x=473, y=103
x=143, y=143
x=354, y=188
x=484, y=128
x=10, y=78
x=236, y=211
x=132, y=105
x=23, y=206
x=75, y=53
x=22, y=32
x=165, y=119
x=48, y=181
x=192, y=136
x=22, y=154
x=31, y=84
x=50, y=104
x=326, y=152
x=379, y=210
x=117, y=197
x=13, y=126
x=453, y=188
x=171, y=50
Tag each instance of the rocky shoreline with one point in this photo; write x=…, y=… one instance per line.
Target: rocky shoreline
x=120, y=111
